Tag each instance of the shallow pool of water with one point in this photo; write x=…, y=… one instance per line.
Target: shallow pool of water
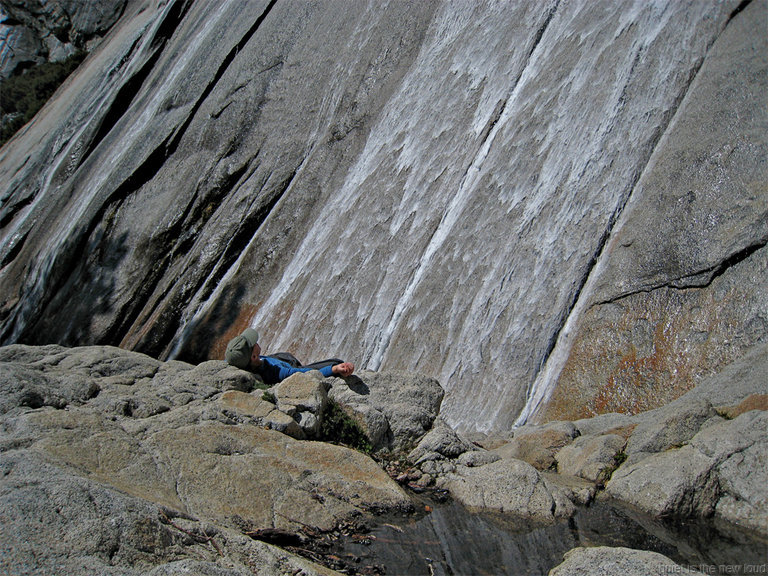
x=450, y=540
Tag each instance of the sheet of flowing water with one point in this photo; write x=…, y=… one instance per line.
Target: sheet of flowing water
x=452, y=541
x=76, y=213
x=466, y=227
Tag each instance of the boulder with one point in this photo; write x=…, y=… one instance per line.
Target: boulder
x=72, y=524
x=240, y=407
x=590, y=457
x=477, y=458
x=304, y=396
x=670, y=426
x=443, y=441
x=396, y=409
x=677, y=482
x=609, y=423
x=721, y=471
x=442, y=450
x=356, y=405
x=185, y=472
x=607, y=561
x=510, y=486
x=29, y=388
x=740, y=448
x=538, y=444
x=578, y=490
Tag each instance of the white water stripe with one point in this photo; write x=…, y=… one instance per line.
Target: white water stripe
x=542, y=387
x=447, y=222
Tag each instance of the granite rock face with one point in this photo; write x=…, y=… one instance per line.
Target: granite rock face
x=435, y=186
x=161, y=467
x=702, y=456
x=680, y=290
x=701, y=463
x=397, y=408
x=510, y=486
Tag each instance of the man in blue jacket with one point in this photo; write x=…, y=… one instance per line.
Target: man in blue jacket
x=244, y=352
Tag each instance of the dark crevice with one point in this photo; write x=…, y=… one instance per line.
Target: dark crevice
x=738, y=9
x=120, y=104
x=246, y=231
x=696, y=280
x=501, y=105
x=155, y=161
x=705, y=278
x=179, y=244
x=162, y=332
x=125, y=96
x=563, y=320
x=147, y=170
x=200, y=210
x=495, y=116
x=9, y=212
x=170, y=23
x=543, y=28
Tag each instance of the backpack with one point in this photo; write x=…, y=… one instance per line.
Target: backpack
x=286, y=357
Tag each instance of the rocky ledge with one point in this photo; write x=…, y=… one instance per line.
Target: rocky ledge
x=703, y=455
x=116, y=463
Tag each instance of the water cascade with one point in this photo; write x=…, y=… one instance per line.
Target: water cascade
x=446, y=247
x=412, y=186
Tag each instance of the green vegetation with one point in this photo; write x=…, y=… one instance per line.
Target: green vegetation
x=339, y=427
x=724, y=413
x=23, y=94
x=618, y=459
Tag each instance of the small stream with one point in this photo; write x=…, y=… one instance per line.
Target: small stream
x=450, y=540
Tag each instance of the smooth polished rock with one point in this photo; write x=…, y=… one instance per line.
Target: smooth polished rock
x=292, y=165
x=611, y=561
x=510, y=486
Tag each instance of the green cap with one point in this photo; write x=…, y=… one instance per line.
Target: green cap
x=240, y=348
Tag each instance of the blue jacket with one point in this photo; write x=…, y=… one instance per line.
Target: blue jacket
x=274, y=370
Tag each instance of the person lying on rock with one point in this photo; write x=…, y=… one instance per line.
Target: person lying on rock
x=244, y=352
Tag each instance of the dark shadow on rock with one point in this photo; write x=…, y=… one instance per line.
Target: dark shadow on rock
x=200, y=337
x=82, y=288
x=357, y=385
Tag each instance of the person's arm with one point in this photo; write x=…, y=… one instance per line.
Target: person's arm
x=285, y=369
x=344, y=369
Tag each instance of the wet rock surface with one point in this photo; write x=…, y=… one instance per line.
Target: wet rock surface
x=679, y=293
